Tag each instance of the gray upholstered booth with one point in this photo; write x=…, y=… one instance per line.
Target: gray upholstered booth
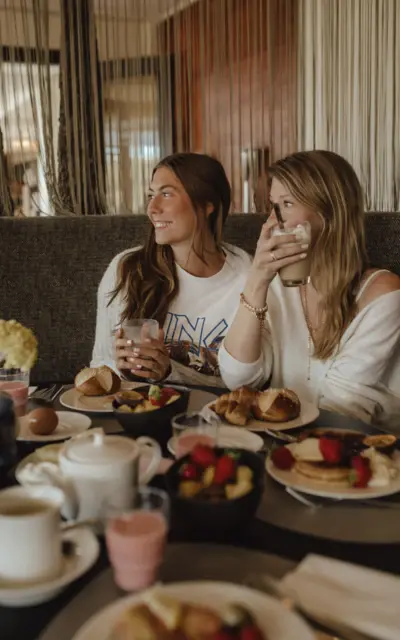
x=50, y=269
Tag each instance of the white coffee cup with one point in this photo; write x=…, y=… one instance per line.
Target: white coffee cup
x=30, y=538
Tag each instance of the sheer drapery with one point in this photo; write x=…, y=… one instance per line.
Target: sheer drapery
x=216, y=76
x=349, y=89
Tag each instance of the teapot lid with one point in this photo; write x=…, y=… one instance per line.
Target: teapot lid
x=95, y=447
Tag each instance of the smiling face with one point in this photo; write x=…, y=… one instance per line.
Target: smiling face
x=170, y=209
x=293, y=212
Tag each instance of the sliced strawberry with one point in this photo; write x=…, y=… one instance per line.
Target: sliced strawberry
x=251, y=632
x=189, y=471
x=283, y=458
x=331, y=449
x=225, y=469
x=360, y=473
x=203, y=456
x=166, y=394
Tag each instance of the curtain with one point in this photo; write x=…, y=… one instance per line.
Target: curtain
x=349, y=89
x=6, y=205
x=80, y=141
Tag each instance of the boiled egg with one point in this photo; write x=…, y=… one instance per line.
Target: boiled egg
x=42, y=422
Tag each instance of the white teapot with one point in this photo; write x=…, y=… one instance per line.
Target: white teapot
x=95, y=466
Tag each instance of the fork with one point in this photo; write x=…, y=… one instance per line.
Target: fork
x=48, y=394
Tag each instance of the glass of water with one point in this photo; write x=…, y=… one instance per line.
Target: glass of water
x=140, y=330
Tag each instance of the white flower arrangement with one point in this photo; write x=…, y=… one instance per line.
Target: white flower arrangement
x=18, y=346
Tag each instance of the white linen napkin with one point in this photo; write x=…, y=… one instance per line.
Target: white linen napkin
x=364, y=599
x=31, y=390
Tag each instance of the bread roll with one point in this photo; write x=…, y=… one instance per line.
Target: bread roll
x=276, y=405
x=98, y=381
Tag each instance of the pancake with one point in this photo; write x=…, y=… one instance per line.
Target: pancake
x=322, y=472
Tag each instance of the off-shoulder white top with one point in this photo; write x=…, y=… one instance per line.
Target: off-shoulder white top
x=362, y=379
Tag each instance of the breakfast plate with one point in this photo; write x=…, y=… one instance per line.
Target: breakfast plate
x=231, y=437
x=308, y=413
x=335, y=490
x=273, y=618
x=70, y=424
x=84, y=551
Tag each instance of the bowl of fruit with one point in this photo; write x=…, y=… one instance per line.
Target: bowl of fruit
x=148, y=410
x=216, y=491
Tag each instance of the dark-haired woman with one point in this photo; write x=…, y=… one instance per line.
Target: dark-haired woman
x=184, y=277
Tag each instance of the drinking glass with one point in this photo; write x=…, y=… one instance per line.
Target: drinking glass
x=139, y=330
x=191, y=429
x=294, y=275
x=136, y=537
x=15, y=382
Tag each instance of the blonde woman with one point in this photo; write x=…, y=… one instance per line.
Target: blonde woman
x=335, y=340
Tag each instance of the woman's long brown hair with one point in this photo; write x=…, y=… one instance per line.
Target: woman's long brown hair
x=147, y=278
x=326, y=183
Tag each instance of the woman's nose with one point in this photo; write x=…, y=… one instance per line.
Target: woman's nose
x=154, y=205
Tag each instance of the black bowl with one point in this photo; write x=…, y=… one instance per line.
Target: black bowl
x=155, y=424
x=223, y=520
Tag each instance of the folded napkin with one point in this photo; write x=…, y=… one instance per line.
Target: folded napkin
x=364, y=599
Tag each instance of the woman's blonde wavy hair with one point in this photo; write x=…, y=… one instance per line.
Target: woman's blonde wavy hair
x=326, y=183
x=147, y=278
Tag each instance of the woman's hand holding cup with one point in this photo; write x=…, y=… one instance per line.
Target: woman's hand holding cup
x=275, y=252
x=144, y=355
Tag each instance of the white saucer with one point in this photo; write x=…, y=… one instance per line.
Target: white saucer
x=308, y=413
x=84, y=553
x=69, y=424
x=231, y=437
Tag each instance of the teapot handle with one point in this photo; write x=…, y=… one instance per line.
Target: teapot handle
x=69, y=509
x=148, y=443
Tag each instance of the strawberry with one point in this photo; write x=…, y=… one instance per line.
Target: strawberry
x=361, y=472
x=251, y=632
x=189, y=471
x=282, y=458
x=331, y=449
x=203, y=456
x=154, y=395
x=224, y=469
x=166, y=394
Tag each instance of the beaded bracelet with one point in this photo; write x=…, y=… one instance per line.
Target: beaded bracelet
x=258, y=312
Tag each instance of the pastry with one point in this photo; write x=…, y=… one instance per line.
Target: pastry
x=276, y=405
x=98, y=381
x=236, y=406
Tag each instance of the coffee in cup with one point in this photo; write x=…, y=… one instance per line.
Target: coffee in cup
x=298, y=273
x=30, y=535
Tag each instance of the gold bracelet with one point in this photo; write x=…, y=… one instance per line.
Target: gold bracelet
x=258, y=312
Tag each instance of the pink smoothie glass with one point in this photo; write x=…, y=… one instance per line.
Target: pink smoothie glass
x=190, y=429
x=16, y=383
x=136, y=538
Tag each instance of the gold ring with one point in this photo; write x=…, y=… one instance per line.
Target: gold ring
x=273, y=256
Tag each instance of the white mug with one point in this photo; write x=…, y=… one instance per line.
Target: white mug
x=30, y=537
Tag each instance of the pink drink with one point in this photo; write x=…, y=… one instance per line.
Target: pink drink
x=187, y=441
x=135, y=544
x=19, y=393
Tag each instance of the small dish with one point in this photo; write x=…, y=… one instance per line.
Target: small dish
x=70, y=424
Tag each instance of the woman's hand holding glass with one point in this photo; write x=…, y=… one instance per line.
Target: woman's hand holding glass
x=274, y=252
x=147, y=358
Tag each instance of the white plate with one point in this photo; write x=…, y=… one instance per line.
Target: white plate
x=299, y=482
x=69, y=424
x=73, y=399
x=308, y=413
x=231, y=437
x=85, y=551
x=275, y=620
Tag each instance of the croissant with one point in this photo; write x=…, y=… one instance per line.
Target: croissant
x=235, y=406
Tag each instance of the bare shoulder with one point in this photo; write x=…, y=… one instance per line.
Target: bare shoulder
x=383, y=282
